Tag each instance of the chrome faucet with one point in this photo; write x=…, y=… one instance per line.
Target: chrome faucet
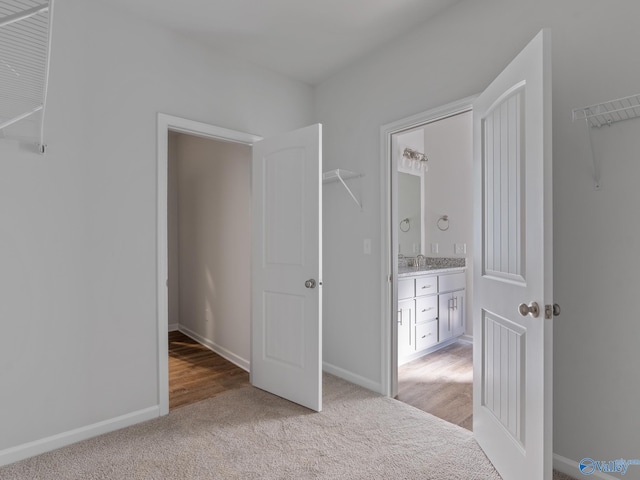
x=421, y=261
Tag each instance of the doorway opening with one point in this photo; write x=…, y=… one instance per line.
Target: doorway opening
x=209, y=240
x=427, y=171
x=208, y=282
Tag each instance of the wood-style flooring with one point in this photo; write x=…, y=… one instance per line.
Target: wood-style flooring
x=441, y=384
x=196, y=373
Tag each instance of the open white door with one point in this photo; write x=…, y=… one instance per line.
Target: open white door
x=286, y=325
x=512, y=354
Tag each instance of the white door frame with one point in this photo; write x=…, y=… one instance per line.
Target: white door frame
x=168, y=123
x=388, y=237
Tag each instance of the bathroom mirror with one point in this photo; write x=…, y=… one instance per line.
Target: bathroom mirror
x=411, y=235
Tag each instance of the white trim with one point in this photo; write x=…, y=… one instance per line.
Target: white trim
x=466, y=338
x=173, y=327
x=351, y=377
x=388, y=326
x=243, y=363
x=191, y=127
x=572, y=468
x=30, y=449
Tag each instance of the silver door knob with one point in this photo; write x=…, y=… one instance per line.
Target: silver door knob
x=556, y=309
x=533, y=309
x=311, y=283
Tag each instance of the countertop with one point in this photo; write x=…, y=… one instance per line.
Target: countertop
x=413, y=271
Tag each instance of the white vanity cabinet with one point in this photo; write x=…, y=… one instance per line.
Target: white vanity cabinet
x=406, y=318
x=430, y=312
x=451, y=319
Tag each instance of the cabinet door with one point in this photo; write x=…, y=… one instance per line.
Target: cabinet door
x=406, y=319
x=458, y=320
x=445, y=326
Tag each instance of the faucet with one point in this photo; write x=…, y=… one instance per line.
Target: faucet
x=421, y=260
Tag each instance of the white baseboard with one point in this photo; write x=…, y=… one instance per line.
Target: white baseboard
x=223, y=352
x=352, y=377
x=173, y=327
x=30, y=449
x=466, y=338
x=572, y=468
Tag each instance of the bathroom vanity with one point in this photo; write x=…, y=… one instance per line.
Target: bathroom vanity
x=431, y=310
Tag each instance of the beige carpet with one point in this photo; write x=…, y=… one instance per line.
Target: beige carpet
x=250, y=434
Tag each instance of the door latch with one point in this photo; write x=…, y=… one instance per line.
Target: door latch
x=551, y=311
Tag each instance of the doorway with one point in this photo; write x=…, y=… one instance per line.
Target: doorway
x=286, y=197
x=209, y=237
x=167, y=124
x=428, y=170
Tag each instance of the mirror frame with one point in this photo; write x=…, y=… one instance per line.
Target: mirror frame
x=423, y=210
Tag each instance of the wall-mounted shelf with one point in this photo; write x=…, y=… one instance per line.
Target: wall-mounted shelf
x=606, y=113
x=25, y=48
x=340, y=175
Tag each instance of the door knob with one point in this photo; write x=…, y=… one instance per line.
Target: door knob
x=556, y=309
x=311, y=283
x=532, y=309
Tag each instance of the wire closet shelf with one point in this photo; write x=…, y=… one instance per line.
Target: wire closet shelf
x=606, y=113
x=25, y=48
x=610, y=112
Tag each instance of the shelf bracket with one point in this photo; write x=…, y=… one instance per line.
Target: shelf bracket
x=596, y=164
x=340, y=175
x=16, y=17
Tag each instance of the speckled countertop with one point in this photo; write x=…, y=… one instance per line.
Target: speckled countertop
x=434, y=265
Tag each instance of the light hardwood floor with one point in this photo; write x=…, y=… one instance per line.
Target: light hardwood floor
x=441, y=384
x=197, y=373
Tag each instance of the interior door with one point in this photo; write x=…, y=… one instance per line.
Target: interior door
x=512, y=355
x=286, y=326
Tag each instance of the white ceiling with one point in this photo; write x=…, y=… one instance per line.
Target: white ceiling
x=304, y=39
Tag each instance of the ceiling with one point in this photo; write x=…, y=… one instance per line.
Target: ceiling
x=303, y=39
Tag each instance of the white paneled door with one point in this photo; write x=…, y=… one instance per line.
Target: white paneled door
x=286, y=327
x=512, y=355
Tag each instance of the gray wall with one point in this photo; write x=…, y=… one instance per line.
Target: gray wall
x=78, y=226
x=214, y=244
x=456, y=55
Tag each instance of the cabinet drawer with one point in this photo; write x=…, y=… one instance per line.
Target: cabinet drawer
x=426, y=308
x=426, y=335
x=452, y=281
x=406, y=288
x=426, y=285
